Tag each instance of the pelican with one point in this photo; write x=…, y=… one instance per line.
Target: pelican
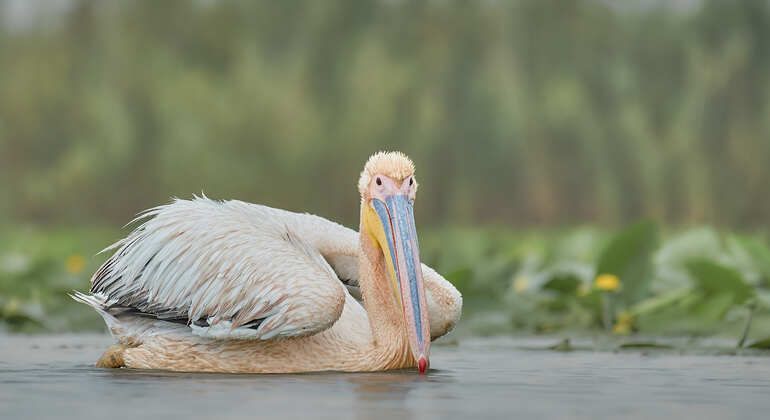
x=228, y=286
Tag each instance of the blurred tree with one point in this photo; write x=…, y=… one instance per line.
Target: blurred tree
x=525, y=112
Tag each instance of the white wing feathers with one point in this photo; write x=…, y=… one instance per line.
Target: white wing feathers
x=227, y=269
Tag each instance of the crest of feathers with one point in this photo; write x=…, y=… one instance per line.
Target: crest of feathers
x=394, y=165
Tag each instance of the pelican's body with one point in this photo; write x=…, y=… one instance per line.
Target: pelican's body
x=230, y=286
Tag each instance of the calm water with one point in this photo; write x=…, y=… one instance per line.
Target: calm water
x=52, y=377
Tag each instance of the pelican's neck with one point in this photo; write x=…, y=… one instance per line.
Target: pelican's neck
x=385, y=316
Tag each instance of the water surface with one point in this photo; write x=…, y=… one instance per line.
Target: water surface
x=53, y=377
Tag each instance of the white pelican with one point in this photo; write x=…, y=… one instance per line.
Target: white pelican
x=229, y=286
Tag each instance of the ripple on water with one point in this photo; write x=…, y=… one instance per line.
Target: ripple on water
x=52, y=376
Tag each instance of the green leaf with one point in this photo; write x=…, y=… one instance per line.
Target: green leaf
x=757, y=251
x=628, y=256
x=713, y=279
x=761, y=344
x=701, y=242
x=656, y=303
x=763, y=298
x=563, y=345
x=563, y=283
x=645, y=345
x=713, y=307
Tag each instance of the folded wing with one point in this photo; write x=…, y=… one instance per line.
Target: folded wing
x=229, y=270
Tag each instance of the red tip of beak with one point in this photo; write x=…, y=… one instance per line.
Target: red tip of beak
x=422, y=365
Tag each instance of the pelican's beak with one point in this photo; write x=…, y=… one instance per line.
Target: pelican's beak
x=402, y=253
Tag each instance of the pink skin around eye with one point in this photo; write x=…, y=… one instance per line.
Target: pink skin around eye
x=389, y=187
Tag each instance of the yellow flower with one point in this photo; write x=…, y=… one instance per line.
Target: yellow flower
x=624, y=324
x=607, y=282
x=75, y=264
x=520, y=284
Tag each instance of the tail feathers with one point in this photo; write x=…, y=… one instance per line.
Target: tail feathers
x=100, y=303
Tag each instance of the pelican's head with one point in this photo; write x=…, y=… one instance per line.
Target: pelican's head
x=388, y=190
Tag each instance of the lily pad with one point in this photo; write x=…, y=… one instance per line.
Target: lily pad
x=563, y=283
x=757, y=251
x=629, y=256
x=763, y=344
x=645, y=345
x=563, y=345
x=713, y=278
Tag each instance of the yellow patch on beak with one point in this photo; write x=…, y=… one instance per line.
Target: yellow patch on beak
x=376, y=230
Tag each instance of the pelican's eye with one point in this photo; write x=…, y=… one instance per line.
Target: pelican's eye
x=379, y=181
x=411, y=181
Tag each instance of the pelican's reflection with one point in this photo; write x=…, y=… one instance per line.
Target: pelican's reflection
x=385, y=395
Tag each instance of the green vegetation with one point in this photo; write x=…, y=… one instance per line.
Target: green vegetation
x=694, y=283
x=38, y=268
